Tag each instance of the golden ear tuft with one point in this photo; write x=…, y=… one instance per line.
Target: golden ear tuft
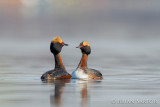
x=57, y=40
x=85, y=43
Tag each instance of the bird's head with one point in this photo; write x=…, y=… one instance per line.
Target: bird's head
x=56, y=45
x=85, y=47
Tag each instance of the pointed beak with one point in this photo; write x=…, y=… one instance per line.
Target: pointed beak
x=78, y=47
x=65, y=44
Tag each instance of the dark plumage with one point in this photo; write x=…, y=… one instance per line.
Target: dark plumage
x=82, y=70
x=59, y=72
x=94, y=72
x=55, y=48
x=55, y=74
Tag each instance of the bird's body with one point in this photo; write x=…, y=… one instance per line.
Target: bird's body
x=82, y=71
x=59, y=72
x=86, y=74
x=79, y=73
x=56, y=74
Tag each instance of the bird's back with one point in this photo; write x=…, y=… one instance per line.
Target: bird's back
x=56, y=74
x=93, y=74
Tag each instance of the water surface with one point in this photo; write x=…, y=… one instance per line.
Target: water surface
x=124, y=38
x=126, y=77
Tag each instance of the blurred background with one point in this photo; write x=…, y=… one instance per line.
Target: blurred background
x=108, y=19
x=114, y=25
x=120, y=27
x=124, y=37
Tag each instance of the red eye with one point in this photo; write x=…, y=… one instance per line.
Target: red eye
x=62, y=43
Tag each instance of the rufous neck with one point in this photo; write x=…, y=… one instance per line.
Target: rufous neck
x=58, y=62
x=83, y=62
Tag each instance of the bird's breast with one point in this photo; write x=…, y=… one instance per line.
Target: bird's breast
x=79, y=73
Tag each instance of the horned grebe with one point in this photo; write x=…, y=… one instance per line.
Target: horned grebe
x=59, y=72
x=82, y=71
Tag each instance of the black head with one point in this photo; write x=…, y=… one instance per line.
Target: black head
x=85, y=47
x=56, y=45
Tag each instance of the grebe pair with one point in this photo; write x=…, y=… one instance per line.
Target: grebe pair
x=82, y=71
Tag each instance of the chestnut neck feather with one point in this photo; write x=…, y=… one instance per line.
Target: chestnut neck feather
x=83, y=62
x=58, y=62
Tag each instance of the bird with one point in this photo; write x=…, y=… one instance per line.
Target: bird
x=82, y=71
x=59, y=72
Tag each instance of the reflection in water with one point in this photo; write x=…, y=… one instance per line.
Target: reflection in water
x=125, y=38
x=84, y=92
x=84, y=95
x=83, y=86
x=56, y=98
